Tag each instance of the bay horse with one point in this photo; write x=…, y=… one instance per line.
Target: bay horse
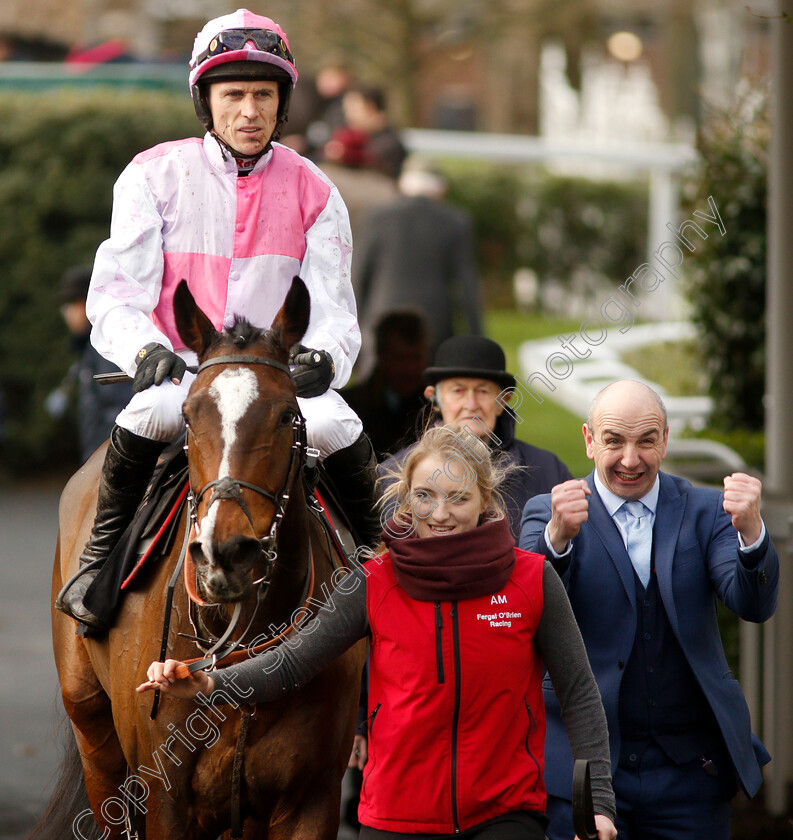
x=252, y=541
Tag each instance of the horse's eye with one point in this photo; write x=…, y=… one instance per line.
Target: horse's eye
x=286, y=418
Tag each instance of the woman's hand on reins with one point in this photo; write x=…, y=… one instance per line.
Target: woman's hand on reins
x=163, y=676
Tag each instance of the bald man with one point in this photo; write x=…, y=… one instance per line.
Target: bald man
x=643, y=580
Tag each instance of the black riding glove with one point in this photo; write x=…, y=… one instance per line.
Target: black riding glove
x=155, y=363
x=314, y=370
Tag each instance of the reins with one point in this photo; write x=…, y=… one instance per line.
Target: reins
x=237, y=651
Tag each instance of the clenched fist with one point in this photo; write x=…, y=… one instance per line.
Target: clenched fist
x=569, y=509
x=742, y=502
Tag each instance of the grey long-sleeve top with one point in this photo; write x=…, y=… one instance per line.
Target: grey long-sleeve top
x=343, y=620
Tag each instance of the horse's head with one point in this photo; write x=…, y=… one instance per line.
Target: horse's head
x=244, y=439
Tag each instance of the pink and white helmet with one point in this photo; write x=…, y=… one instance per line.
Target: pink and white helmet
x=224, y=39
x=232, y=39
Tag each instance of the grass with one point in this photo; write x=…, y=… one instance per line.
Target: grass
x=676, y=366
x=547, y=425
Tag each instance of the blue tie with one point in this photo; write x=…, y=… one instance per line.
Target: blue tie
x=639, y=541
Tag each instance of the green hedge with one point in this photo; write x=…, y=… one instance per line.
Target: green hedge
x=728, y=276
x=560, y=227
x=60, y=154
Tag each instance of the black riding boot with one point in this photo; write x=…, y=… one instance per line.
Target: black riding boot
x=353, y=471
x=129, y=463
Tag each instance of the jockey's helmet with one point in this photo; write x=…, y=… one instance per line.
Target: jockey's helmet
x=241, y=46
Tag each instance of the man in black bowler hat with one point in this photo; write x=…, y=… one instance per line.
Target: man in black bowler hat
x=468, y=386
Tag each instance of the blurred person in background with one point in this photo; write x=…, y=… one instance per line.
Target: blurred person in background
x=315, y=111
x=97, y=405
x=361, y=187
x=417, y=250
x=366, y=115
x=390, y=401
x=334, y=79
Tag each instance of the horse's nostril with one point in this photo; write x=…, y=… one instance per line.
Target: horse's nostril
x=216, y=582
x=238, y=553
x=196, y=551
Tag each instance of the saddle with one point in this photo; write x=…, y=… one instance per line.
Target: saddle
x=154, y=528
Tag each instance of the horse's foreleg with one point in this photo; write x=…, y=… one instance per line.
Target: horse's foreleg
x=103, y=762
x=254, y=829
x=165, y=820
x=89, y=711
x=315, y=819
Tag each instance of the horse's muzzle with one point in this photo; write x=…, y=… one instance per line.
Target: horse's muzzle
x=225, y=575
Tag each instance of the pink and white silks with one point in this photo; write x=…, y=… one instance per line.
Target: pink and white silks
x=180, y=211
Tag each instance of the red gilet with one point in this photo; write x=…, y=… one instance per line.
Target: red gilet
x=456, y=716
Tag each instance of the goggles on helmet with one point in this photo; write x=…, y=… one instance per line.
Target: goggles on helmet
x=235, y=39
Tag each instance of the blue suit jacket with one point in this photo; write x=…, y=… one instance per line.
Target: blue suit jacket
x=696, y=561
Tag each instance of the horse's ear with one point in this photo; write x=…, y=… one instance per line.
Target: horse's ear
x=194, y=328
x=291, y=322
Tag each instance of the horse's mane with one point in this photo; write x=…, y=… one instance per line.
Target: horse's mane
x=242, y=334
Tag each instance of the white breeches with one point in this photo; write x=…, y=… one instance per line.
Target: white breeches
x=156, y=413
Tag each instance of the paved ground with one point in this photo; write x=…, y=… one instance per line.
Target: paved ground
x=30, y=708
x=28, y=686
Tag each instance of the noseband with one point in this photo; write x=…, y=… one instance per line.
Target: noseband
x=230, y=489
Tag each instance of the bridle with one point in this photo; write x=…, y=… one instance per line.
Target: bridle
x=230, y=489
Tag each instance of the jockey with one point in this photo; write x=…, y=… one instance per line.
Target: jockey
x=236, y=215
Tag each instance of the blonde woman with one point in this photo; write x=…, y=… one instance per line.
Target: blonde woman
x=461, y=625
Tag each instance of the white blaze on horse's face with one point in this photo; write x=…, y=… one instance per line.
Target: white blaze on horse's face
x=234, y=391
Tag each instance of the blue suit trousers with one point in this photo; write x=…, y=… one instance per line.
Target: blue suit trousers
x=660, y=800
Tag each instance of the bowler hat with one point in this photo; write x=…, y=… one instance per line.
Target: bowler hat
x=471, y=356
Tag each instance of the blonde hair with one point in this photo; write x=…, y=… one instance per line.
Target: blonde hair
x=486, y=469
